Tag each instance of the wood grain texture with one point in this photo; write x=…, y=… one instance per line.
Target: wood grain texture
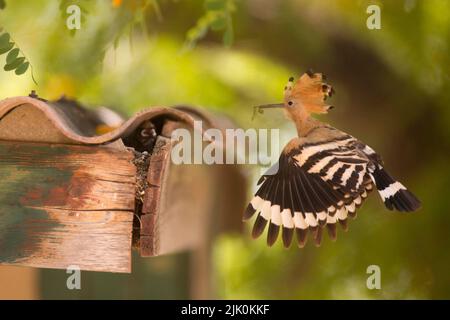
x=157, y=174
x=64, y=205
x=185, y=206
x=177, y=205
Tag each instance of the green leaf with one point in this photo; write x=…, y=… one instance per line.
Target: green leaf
x=13, y=65
x=228, y=36
x=219, y=23
x=12, y=55
x=215, y=5
x=4, y=39
x=22, y=68
x=5, y=49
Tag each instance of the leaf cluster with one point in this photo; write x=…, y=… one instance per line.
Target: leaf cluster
x=15, y=59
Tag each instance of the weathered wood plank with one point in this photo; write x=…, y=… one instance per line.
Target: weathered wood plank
x=177, y=204
x=66, y=205
x=157, y=173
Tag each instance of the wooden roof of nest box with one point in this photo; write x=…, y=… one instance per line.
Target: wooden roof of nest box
x=71, y=197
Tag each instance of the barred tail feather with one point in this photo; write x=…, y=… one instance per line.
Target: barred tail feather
x=393, y=193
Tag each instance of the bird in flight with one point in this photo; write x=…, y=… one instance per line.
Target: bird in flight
x=322, y=176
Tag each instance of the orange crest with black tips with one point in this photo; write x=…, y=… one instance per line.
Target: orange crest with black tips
x=311, y=91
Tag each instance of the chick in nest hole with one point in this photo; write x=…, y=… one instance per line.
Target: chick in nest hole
x=143, y=141
x=144, y=138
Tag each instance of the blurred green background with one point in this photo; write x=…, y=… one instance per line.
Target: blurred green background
x=392, y=90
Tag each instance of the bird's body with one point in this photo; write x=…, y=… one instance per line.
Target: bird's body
x=323, y=175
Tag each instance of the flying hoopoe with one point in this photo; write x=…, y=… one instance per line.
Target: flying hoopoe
x=322, y=176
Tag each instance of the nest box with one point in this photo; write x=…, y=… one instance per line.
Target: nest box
x=71, y=197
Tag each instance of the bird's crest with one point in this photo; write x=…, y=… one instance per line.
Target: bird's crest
x=311, y=90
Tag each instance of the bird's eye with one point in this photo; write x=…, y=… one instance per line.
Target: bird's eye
x=290, y=103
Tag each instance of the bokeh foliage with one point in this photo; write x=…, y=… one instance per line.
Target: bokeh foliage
x=392, y=92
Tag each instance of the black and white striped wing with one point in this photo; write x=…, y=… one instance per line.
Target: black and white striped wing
x=341, y=162
x=393, y=193
x=315, y=185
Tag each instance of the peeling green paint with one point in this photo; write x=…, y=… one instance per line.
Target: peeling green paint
x=23, y=185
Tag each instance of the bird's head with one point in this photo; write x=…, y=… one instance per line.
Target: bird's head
x=305, y=96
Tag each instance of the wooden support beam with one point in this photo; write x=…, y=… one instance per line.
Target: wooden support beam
x=64, y=205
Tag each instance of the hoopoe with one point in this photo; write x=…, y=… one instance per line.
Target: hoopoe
x=322, y=176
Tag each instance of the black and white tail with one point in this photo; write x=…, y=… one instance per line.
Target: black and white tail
x=393, y=193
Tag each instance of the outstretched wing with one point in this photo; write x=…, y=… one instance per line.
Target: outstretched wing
x=339, y=161
x=316, y=184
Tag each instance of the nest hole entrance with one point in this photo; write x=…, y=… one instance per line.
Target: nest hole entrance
x=142, y=141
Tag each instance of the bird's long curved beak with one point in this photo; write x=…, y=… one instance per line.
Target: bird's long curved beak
x=260, y=108
x=271, y=105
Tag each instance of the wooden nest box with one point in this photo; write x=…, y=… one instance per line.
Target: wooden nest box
x=71, y=197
